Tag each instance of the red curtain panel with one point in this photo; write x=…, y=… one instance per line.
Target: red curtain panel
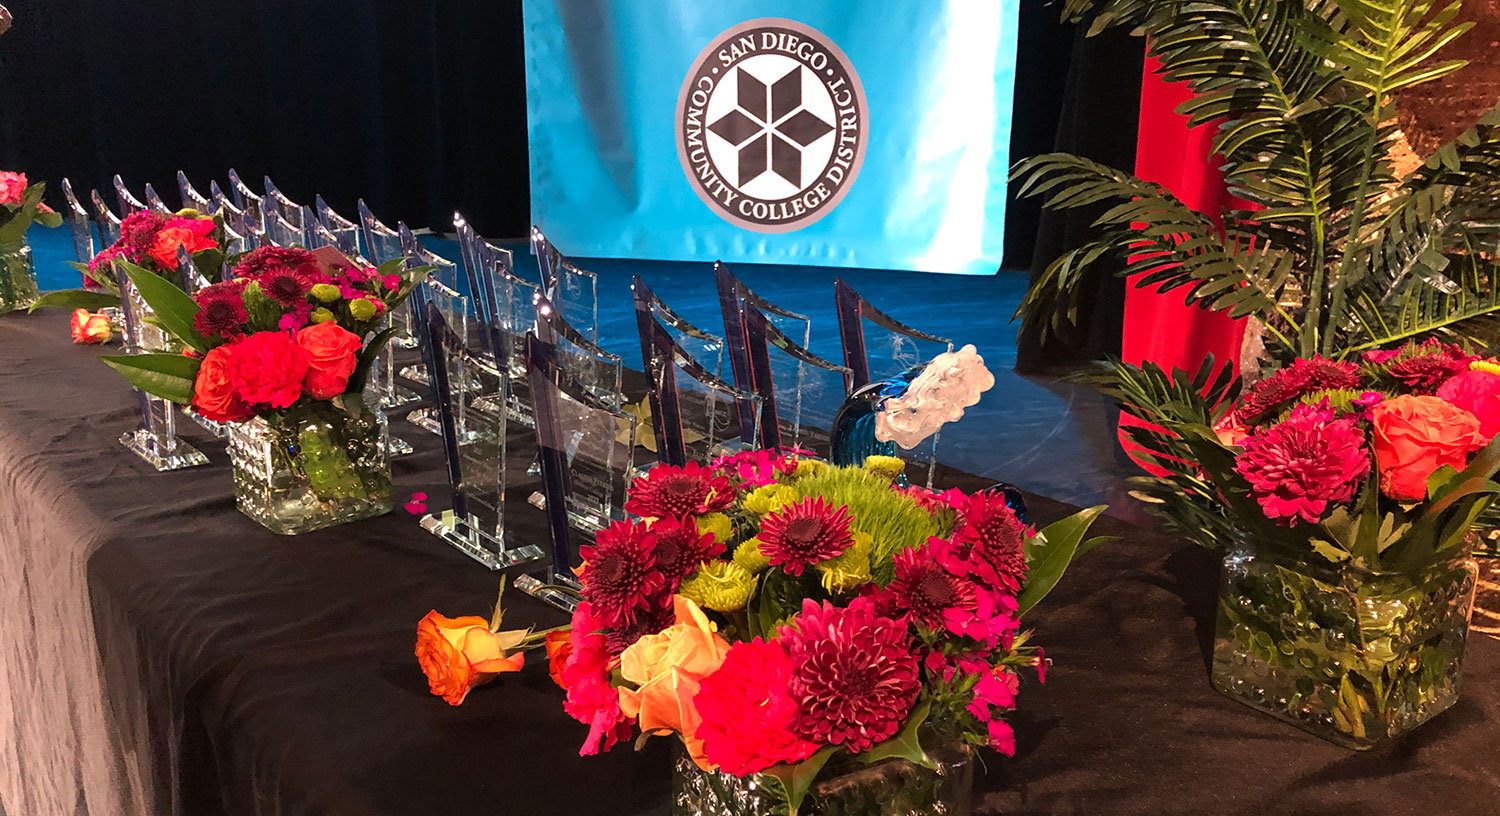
x=1159, y=327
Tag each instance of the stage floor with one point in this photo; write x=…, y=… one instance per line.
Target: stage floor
x=1050, y=438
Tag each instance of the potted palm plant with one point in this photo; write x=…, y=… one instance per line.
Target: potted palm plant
x=1344, y=481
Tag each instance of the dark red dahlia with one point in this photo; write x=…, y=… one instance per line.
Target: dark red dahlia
x=804, y=533
x=256, y=262
x=221, y=310
x=991, y=540
x=619, y=574
x=287, y=286
x=680, y=547
x=138, y=233
x=1300, y=378
x=925, y=587
x=655, y=616
x=667, y=491
x=1299, y=467
x=854, y=675
x=1424, y=368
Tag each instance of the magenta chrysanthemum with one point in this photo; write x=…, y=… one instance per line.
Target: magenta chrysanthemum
x=804, y=533
x=260, y=261
x=748, y=714
x=925, y=588
x=1298, y=467
x=221, y=310
x=1424, y=368
x=680, y=547
x=1302, y=377
x=619, y=574
x=285, y=285
x=993, y=541
x=666, y=491
x=138, y=233
x=854, y=676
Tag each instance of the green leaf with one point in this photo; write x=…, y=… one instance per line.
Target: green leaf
x=367, y=359
x=905, y=745
x=1049, y=553
x=169, y=376
x=797, y=779
x=76, y=299
x=174, y=307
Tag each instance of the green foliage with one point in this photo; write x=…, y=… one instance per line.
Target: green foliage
x=1051, y=550
x=1337, y=254
x=169, y=376
x=173, y=307
x=76, y=299
x=15, y=220
x=894, y=520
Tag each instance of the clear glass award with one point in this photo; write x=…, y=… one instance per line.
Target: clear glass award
x=80, y=227
x=574, y=292
x=440, y=291
x=109, y=223
x=252, y=230
x=585, y=448
x=299, y=217
x=475, y=456
x=582, y=362
x=248, y=201
x=505, y=306
x=879, y=348
x=345, y=233
x=695, y=415
x=129, y=204
x=156, y=439
x=283, y=233
x=155, y=203
x=383, y=244
x=191, y=198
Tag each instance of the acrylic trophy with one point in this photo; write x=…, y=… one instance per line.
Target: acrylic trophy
x=584, y=363
x=574, y=292
x=879, y=348
x=440, y=291
x=80, y=228
x=345, y=233
x=248, y=201
x=129, y=204
x=191, y=198
x=381, y=245
x=156, y=439
x=695, y=415
x=475, y=458
x=154, y=201
x=585, y=448
x=105, y=218
x=504, y=302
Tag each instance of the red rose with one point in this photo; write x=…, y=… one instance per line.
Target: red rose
x=267, y=369
x=332, y=353
x=1416, y=435
x=213, y=393
x=192, y=233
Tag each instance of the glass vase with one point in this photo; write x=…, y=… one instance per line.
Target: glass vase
x=17, y=277
x=846, y=787
x=853, y=435
x=314, y=465
x=1353, y=656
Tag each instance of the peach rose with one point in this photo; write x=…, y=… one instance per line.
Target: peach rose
x=1416, y=435
x=213, y=393
x=458, y=654
x=559, y=649
x=666, y=668
x=332, y=355
x=90, y=329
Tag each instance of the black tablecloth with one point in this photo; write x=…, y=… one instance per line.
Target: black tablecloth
x=166, y=655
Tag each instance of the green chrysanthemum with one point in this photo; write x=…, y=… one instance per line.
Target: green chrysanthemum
x=362, y=309
x=320, y=315
x=749, y=557
x=325, y=292
x=886, y=467
x=767, y=499
x=718, y=524
x=809, y=467
x=722, y=586
x=851, y=570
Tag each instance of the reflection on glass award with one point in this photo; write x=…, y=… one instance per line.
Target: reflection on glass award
x=446, y=291
x=193, y=280
x=248, y=201
x=585, y=448
x=574, y=292
x=464, y=364
x=877, y=348
x=156, y=439
x=696, y=416
x=283, y=233
x=296, y=216
x=475, y=458
x=593, y=369
x=129, y=204
x=799, y=416
x=345, y=233
x=383, y=244
x=191, y=198
x=504, y=303
x=251, y=230
x=109, y=223
x=80, y=229
x=154, y=201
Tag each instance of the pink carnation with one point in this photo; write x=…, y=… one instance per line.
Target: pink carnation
x=591, y=699
x=1477, y=392
x=12, y=187
x=1298, y=467
x=748, y=714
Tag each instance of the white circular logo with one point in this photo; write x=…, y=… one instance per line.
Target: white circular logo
x=771, y=125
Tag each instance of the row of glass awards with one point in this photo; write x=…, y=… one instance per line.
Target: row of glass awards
x=500, y=353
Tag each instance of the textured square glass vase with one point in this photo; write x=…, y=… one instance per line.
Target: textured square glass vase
x=17, y=278
x=893, y=787
x=311, y=466
x=1352, y=656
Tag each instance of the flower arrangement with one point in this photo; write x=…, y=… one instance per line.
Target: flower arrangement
x=20, y=207
x=289, y=341
x=774, y=612
x=148, y=240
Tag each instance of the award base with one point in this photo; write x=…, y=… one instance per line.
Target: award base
x=396, y=446
x=560, y=595
x=179, y=456
x=397, y=397
x=220, y=430
x=427, y=419
x=478, y=544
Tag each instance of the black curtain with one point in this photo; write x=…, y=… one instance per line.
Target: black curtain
x=418, y=107
x=1074, y=94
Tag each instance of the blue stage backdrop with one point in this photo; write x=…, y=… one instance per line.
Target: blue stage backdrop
x=817, y=132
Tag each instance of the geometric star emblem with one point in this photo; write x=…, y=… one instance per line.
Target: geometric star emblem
x=770, y=127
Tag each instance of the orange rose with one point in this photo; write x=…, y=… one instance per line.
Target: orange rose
x=177, y=234
x=458, y=654
x=666, y=668
x=213, y=394
x=332, y=354
x=1415, y=436
x=90, y=329
x=559, y=649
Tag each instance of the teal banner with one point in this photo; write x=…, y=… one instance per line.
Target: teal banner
x=817, y=132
